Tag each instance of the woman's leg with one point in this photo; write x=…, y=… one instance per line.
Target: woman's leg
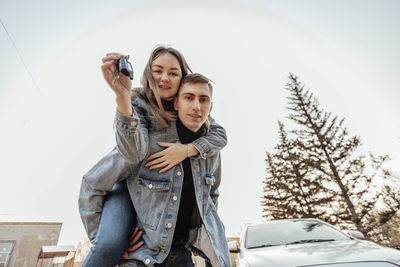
x=116, y=224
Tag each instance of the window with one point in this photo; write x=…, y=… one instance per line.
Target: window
x=6, y=248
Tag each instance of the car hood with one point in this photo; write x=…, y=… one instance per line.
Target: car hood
x=320, y=253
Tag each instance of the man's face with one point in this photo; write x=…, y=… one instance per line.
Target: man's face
x=193, y=105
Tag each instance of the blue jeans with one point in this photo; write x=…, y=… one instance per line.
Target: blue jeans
x=116, y=224
x=177, y=257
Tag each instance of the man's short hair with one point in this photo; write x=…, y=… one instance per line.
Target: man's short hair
x=197, y=78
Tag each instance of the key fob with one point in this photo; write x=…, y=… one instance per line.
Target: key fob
x=125, y=67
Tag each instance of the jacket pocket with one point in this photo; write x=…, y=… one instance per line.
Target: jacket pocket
x=209, y=180
x=151, y=200
x=154, y=185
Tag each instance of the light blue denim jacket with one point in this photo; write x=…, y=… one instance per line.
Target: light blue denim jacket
x=155, y=195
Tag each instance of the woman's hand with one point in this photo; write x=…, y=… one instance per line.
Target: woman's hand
x=120, y=84
x=172, y=155
x=133, y=242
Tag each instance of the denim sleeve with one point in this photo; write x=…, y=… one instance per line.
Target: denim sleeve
x=213, y=142
x=132, y=135
x=96, y=183
x=214, y=193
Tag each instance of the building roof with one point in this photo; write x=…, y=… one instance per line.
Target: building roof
x=30, y=223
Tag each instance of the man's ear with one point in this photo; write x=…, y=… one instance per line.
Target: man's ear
x=176, y=103
x=211, y=106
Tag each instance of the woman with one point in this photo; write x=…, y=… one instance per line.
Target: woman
x=161, y=79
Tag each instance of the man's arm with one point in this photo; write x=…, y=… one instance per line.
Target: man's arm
x=214, y=193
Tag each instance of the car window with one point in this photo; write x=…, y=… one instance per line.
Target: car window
x=277, y=233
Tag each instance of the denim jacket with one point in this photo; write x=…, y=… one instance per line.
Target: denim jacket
x=155, y=195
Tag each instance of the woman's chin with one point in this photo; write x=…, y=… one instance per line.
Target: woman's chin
x=167, y=95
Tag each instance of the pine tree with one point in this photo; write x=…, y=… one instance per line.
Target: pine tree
x=315, y=172
x=293, y=191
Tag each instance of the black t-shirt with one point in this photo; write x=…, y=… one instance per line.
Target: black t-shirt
x=188, y=210
x=168, y=105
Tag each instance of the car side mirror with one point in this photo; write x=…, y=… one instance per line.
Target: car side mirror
x=356, y=234
x=233, y=246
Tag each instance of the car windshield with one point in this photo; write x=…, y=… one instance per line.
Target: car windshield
x=288, y=232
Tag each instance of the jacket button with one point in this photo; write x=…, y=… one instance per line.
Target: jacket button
x=150, y=186
x=204, y=155
x=174, y=198
x=179, y=173
x=169, y=225
x=133, y=123
x=147, y=261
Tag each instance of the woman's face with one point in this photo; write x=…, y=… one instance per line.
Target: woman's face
x=168, y=74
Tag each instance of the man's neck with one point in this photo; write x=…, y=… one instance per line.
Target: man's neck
x=185, y=134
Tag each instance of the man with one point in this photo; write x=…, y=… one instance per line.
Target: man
x=193, y=104
x=171, y=226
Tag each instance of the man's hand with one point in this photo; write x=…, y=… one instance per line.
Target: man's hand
x=133, y=242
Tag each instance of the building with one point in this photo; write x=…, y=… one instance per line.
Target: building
x=22, y=242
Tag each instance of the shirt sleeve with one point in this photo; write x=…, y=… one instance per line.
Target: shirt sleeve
x=131, y=134
x=214, y=193
x=212, y=142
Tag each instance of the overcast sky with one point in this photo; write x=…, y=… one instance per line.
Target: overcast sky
x=346, y=52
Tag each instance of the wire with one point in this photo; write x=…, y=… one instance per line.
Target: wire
x=20, y=56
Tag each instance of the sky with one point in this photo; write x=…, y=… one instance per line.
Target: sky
x=57, y=112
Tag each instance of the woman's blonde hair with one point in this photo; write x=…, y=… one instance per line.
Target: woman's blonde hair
x=150, y=88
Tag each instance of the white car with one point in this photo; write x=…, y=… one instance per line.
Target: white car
x=308, y=242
